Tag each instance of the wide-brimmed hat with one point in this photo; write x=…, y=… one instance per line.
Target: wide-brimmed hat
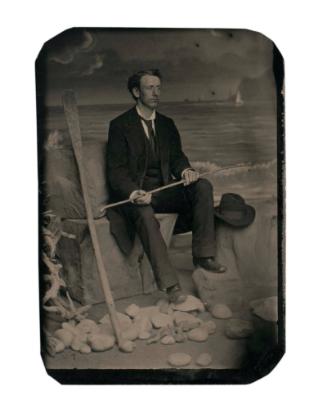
x=233, y=210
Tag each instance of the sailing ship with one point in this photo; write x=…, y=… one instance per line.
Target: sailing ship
x=234, y=99
x=238, y=99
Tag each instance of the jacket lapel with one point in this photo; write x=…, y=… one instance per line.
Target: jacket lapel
x=135, y=130
x=163, y=142
x=136, y=140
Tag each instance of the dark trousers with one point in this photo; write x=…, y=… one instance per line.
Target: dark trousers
x=197, y=199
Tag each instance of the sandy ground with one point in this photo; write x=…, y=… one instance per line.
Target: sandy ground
x=226, y=353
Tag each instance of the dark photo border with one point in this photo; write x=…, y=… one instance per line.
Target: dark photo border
x=262, y=366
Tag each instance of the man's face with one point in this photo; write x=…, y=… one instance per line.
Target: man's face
x=149, y=92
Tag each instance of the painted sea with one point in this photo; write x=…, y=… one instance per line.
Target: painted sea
x=214, y=135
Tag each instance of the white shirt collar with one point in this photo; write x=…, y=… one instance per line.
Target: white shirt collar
x=152, y=117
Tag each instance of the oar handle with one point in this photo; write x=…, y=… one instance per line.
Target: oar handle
x=72, y=119
x=180, y=182
x=158, y=189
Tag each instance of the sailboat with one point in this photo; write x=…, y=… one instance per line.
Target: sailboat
x=238, y=99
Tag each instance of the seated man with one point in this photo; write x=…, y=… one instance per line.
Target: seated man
x=145, y=152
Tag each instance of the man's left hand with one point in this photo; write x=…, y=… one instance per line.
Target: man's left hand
x=190, y=176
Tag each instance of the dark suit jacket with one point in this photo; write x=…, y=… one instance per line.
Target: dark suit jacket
x=127, y=158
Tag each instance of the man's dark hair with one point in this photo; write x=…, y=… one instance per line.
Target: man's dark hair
x=135, y=79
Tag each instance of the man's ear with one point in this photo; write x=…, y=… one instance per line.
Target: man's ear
x=136, y=92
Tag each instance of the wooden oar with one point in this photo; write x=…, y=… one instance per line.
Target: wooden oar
x=179, y=182
x=72, y=118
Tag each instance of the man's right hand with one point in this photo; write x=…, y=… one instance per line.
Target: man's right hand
x=140, y=197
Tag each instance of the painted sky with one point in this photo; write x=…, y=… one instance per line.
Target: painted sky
x=195, y=64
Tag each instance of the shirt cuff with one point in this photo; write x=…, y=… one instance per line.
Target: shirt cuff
x=132, y=195
x=182, y=174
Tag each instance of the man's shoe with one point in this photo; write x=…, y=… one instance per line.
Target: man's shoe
x=209, y=264
x=176, y=295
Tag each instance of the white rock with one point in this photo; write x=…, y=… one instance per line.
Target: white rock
x=106, y=329
x=127, y=346
x=132, y=310
x=211, y=326
x=236, y=328
x=144, y=335
x=77, y=343
x=190, y=304
x=143, y=323
x=198, y=334
x=168, y=340
x=179, y=335
x=87, y=326
x=85, y=349
x=221, y=311
x=59, y=346
x=69, y=327
x=65, y=336
x=81, y=337
x=131, y=333
x=180, y=317
x=160, y=320
x=204, y=359
x=123, y=320
x=100, y=342
x=179, y=359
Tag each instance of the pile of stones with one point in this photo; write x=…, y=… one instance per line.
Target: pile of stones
x=163, y=323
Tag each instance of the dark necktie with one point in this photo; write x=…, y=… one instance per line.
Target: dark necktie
x=151, y=134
